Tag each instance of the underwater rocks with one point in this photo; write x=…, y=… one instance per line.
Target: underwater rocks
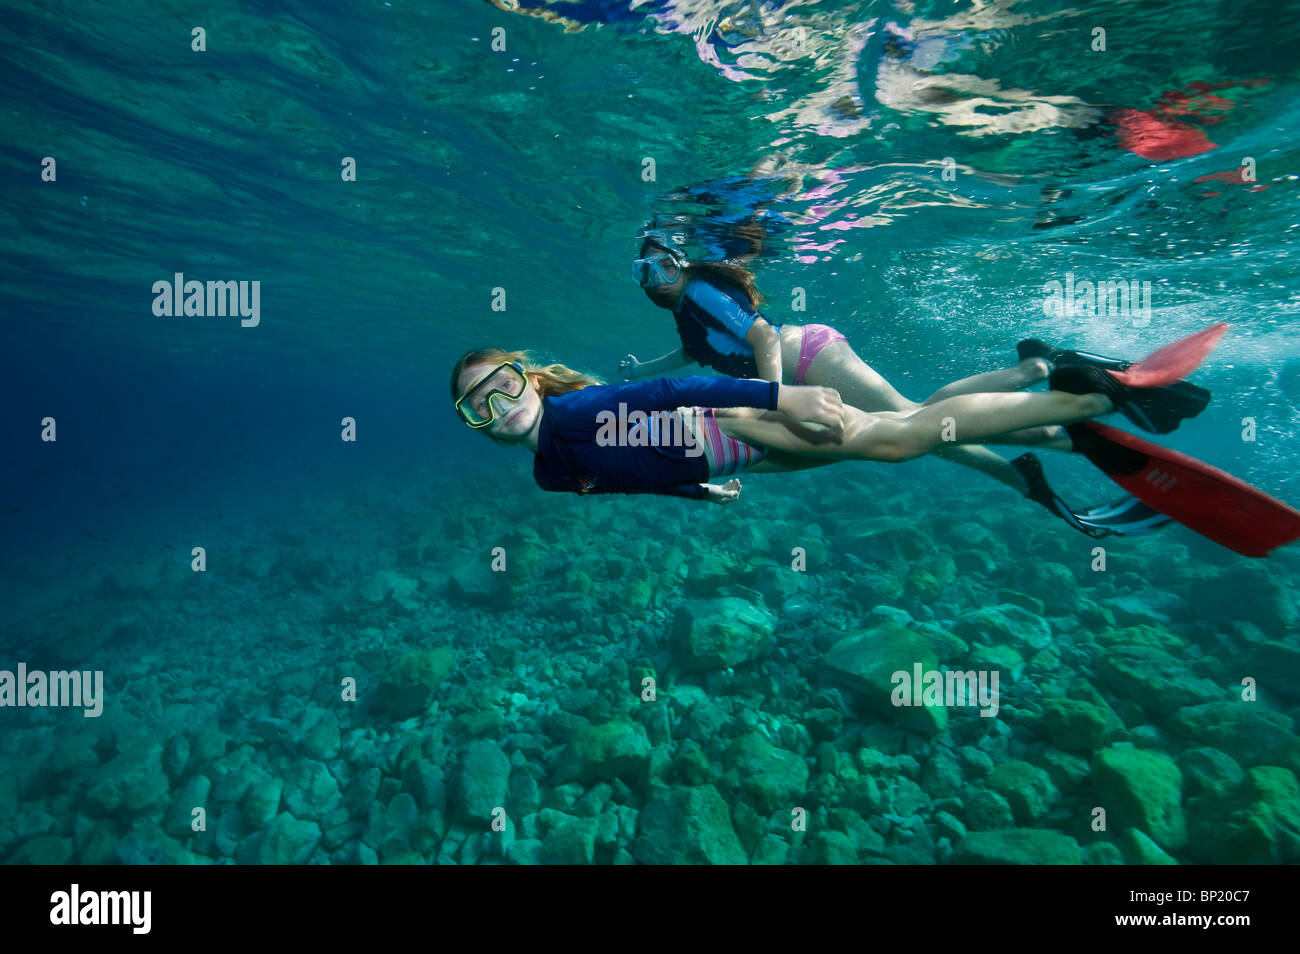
x=287, y=841
x=1248, y=733
x=708, y=570
x=929, y=577
x=1028, y=789
x=704, y=717
x=425, y=783
x=403, y=834
x=481, y=784
x=722, y=633
x=409, y=687
x=133, y=782
x=262, y=803
x=190, y=794
x=876, y=585
x=43, y=850
x=1254, y=822
x=388, y=585
x=1018, y=846
x=1053, y=583
x=988, y=811
x=321, y=737
x=771, y=778
x=146, y=845
x=1207, y=770
x=1251, y=735
x=1142, y=849
x=1002, y=658
x=882, y=539
x=942, y=776
x=571, y=842
x=553, y=730
x=1276, y=810
x=310, y=791
x=1006, y=625
x=1277, y=666
x=1148, y=606
x=1250, y=592
x=1153, y=679
x=613, y=750
x=1144, y=635
x=1142, y=789
x=1079, y=726
x=475, y=582
x=687, y=826
x=866, y=663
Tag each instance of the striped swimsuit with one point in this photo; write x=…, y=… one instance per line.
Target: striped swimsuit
x=725, y=455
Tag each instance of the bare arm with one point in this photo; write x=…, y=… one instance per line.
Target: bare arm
x=766, y=342
x=632, y=368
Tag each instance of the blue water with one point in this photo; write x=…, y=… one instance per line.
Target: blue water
x=825, y=129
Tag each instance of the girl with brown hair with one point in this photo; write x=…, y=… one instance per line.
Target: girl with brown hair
x=715, y=305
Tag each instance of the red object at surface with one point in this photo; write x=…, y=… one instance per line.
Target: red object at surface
x=1229, y=175
x=1150, y=137
x=1157, y=134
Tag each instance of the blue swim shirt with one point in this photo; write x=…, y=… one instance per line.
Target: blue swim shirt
x=570, y=459
x=712, y=321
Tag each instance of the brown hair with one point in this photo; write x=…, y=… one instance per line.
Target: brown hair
x=727, y=271
x=552, y=379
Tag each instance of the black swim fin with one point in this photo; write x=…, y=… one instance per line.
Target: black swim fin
x=1150, y=392
x=1125, y=517
x=1158, y=410
x=1033, y=348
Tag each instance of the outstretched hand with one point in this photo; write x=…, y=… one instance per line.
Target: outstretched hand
x=725, y=494
x=628, y=367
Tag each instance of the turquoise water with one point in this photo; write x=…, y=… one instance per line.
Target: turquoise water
x=1168, y=157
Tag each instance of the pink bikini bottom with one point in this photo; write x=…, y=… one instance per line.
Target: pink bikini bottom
x=815, y=338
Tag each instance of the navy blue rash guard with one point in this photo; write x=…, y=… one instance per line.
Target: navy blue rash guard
x=570, y=459
x=712, y=321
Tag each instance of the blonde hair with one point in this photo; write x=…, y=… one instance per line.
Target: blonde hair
x=552, y=379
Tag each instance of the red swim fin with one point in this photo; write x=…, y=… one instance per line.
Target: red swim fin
x=1172, y=362
x=1213, y=503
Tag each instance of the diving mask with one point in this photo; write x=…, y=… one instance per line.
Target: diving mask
x=658, y=268
x=477, y=407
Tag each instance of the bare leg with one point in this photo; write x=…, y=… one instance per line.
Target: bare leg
x=776, y=461
x=1052, y=437
x=894, y=437
x=986, y=462
x=838, y=366
x=1027, y=372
